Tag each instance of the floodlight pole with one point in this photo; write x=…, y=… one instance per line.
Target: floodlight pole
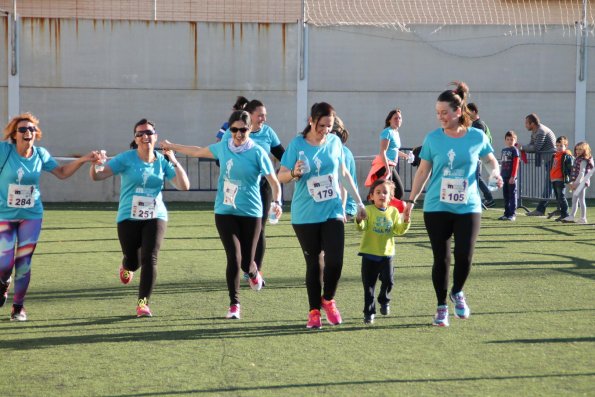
x=302, y=71
x=580, y=110
x=13, y=61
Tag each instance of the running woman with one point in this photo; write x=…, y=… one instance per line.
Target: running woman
x=142, y=216
x=452, y=205
x=315, y=158
x=238, y=206
x=21, y=210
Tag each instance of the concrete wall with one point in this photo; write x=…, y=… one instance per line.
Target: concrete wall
x=89, y=81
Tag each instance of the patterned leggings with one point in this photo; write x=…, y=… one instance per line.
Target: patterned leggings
x=24, y=233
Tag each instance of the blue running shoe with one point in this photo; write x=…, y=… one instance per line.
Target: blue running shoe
x=461, y=309
x=441, y=317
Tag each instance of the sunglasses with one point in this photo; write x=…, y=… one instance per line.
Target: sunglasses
x=22, y=130
x=243, y=130
x=138, y=134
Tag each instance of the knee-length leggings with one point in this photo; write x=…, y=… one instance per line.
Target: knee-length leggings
x=441, y=227
x=24, y=233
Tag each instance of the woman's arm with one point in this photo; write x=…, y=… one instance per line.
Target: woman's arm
x=191, y=151
x=276, y=187
x=424, y=170
x=383, y=148
x=286, y=175
x=347, y=182
x=180, y=181
x=491, y=164
x=66, y=170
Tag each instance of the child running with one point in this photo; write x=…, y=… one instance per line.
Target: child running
x=579, y=181
x=378, y=246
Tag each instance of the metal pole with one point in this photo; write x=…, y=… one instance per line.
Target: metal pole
x=13, y=40
x=154, y=10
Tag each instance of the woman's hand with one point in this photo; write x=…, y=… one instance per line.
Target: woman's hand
x=166, y=145
x=361, y=213
x=407, y=212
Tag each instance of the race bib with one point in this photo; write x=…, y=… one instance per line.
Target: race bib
x=454, y=190
x=321, y=188
x=143, y=207
x=21, y=196
x=230, y=190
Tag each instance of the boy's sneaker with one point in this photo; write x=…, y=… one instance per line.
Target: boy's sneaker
x=125, y=275
x=332, y=313
x=233, y=312
x=489, y=203
x=535, y=213
x=4, y=291
x=461, y=309
x=256, y=282
x=568, y=219
x=503, y=218
x=553, y=213
x=510, y=218
x=18, y=313
x=385, y=309
x=368, y=319
x=142, y=309
x=314, y=320
x=441, y=316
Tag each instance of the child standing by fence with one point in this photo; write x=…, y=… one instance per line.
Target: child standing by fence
x=560, y=174
x=579, y=181
x=378, y=246
x=509, y=165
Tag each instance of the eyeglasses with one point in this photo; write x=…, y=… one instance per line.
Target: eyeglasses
x=22, y=130
x=139, y=134
x=243, y=130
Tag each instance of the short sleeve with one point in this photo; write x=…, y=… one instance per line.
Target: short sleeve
x=426, y=151
x=117, y=163
x=49, y=163
x=216, y=149
x=290, y=156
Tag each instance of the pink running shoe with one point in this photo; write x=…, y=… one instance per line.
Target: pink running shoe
x=125, y=275
x=142, y=309
x=234, y=312
x=332, y=313
x=4, y=291
x=256, y=282
x=314, y=320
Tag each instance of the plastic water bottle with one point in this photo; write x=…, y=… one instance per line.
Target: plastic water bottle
x=410, y=157
x=493, y=183
x=273, y=220
x=305, y=163
x=100, y=166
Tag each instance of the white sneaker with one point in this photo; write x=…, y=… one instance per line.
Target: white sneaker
x=256, y=282
x=568, y=219
x=233, y=312
x=582, y=221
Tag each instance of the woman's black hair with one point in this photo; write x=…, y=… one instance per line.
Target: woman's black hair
x=390, y=116
x=241, y=103
x=253, y=105
x=240, y=115
x=458, y=98
x=318, y=111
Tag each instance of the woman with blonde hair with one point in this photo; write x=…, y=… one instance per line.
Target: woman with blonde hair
x=21, y=209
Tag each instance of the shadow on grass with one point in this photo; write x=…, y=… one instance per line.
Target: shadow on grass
x=580, y=265
x=241, y=330
x=334, y=384
x=546, y=340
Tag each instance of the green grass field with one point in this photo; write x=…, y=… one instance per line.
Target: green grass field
x=531, y=331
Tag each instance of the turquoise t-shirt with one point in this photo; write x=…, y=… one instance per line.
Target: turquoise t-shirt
x=350, y=205
x=25, y=172
x=453, y=183
x=141, y=179
x=238, y=189
x=266, y=137
x=394, y=142
x=316, y=197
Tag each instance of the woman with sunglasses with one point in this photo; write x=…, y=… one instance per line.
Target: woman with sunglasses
x=238, y=206
x=315, y=158
x=142, y=216
x=21, y=209
x=265, y=137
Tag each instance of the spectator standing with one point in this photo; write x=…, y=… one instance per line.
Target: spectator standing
x=509, y=167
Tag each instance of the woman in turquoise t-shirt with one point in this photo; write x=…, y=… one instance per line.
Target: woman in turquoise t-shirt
x=142, y=216
x=343, y=134
x=265, y=137
x=315, y=158
x=452, y=206
x=238, y=206
x=390, y=143
x=21, y=210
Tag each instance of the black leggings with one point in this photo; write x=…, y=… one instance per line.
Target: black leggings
x=140, y=242
x=329, y=237
x=266, y=196
x=239, y=235
x=441, y=226
x=399, y=189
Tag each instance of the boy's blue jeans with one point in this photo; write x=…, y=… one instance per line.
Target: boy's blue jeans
x=560, y=193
